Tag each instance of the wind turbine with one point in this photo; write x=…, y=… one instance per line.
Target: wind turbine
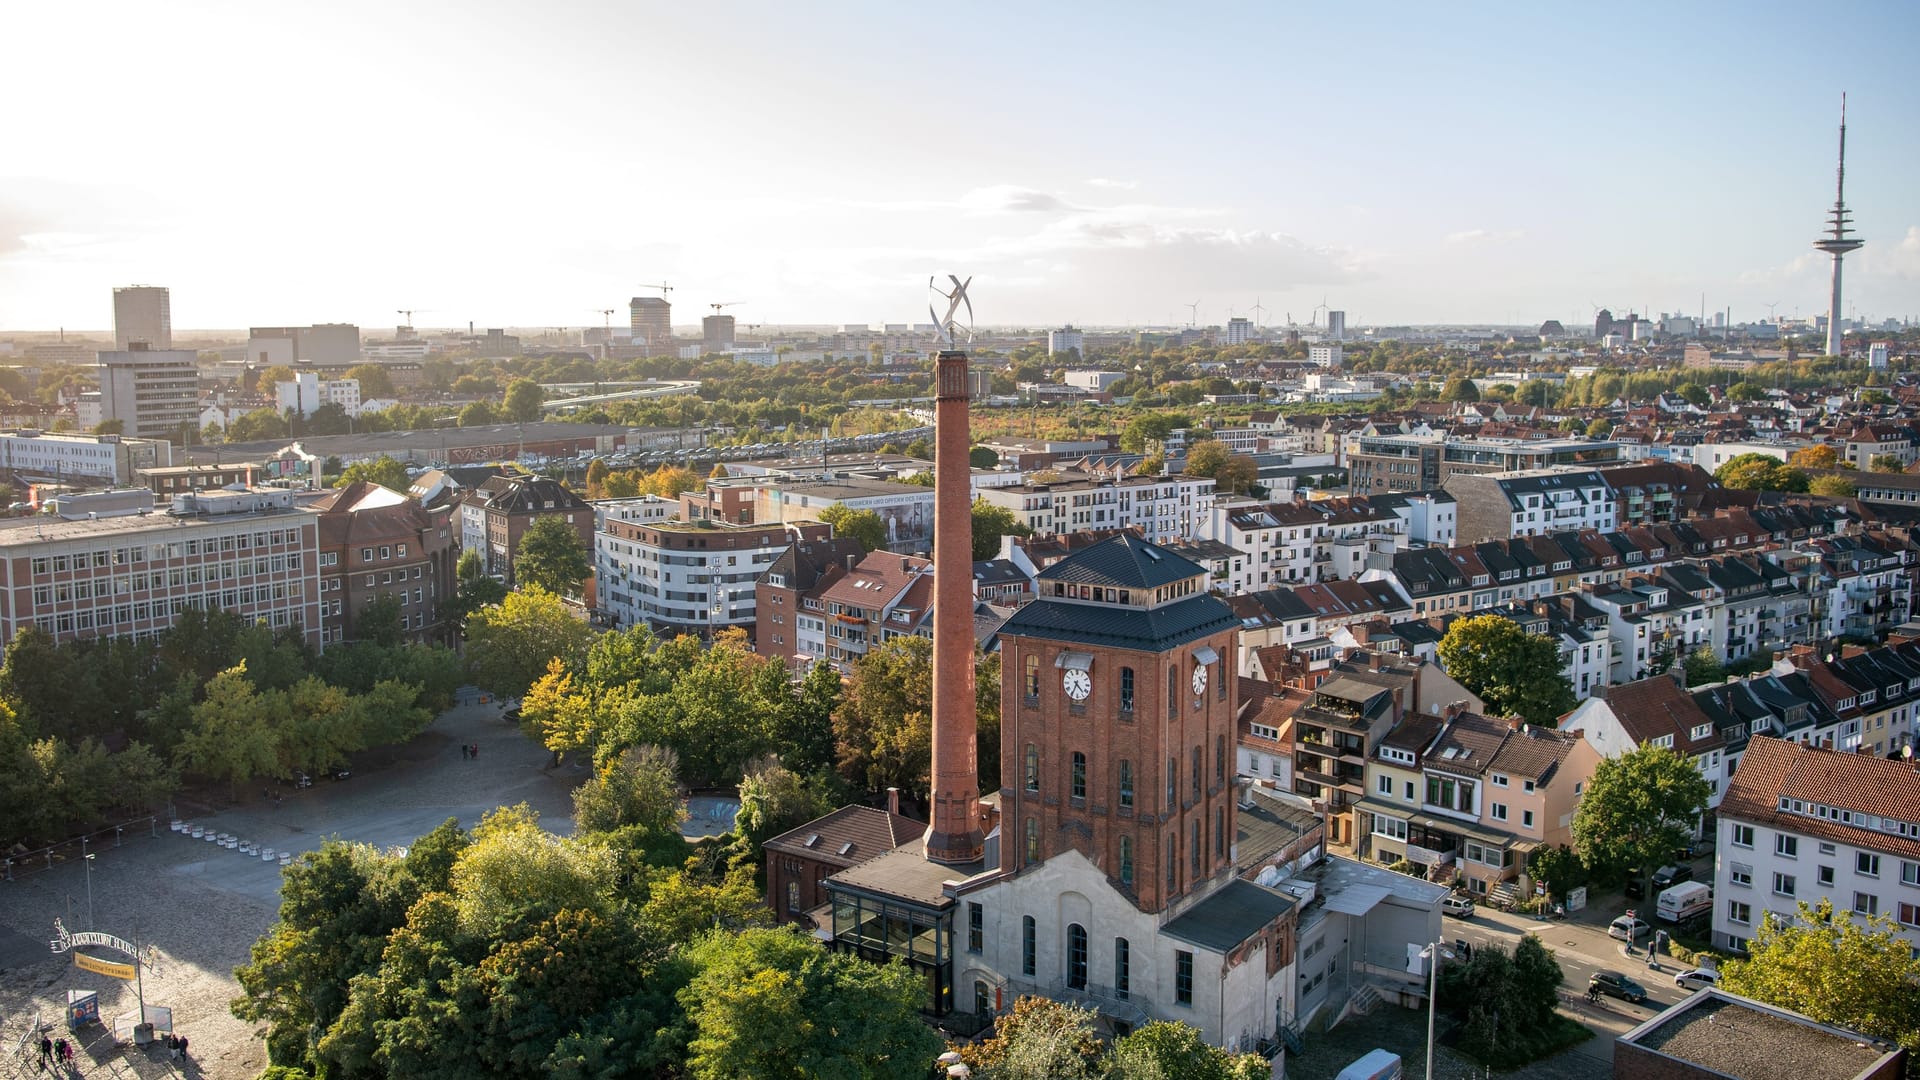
x=1770, y=308
x=1258, y=311
x=1314, y=319
x=1193, y=313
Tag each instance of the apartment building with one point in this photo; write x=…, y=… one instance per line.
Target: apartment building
x=682, y=577
x=1300, y=542
x=494, y=516
x=1500, y=506
x=1804, y=824
x=154, y=393
x=376, y=543
x=1388, y=462
x=253, y=553
x=1163, y=508
x=786, y=585
x=1862, y=586
x=1654, y=711
x=884, y=595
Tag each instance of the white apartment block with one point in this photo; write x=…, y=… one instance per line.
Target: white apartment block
x=685, y=577
x=307, y=392
x=1800, y=823
x=1301, y=543
x=1164, y=508
x=253, y=553
x=108, y=459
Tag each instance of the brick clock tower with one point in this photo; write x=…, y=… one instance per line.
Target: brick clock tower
x=1117, y=722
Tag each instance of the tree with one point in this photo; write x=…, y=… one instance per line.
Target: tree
x=1506, y=1001
x=523, y=401
x=1833, y=487
x=1745, y=391
x=551, y=557
x=667, y=481
x=110, y=427
x=863, y=525
x=258, y=424
x=475, y=588
x=990, y=523
x=1599, y=428
x=374, y=381
x=1638, y=808
x=773, y=799
x=639, y=788
x=1460, y=390
x=983, y=457
x=268, y=378
x=773, y=1004
x=1559, y=868
x=1843, y=968
x=1759, y=472
x=1144, y=434
x=234, y=736
x=597, y=478
x=1693, y=393
x=1037, y=1039
x=509, y=644
x=1874, y=397
x=885, y=724
x=383, y=470
x=1701, y=667
x=1515, y=673
x=379, y=621
x=478, y=414
x=1163, y=1050
x=1818, y=456
x=1885, y=463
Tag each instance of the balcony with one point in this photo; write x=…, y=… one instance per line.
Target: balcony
x=1424, y=856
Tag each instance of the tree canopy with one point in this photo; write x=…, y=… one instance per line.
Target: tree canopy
x=523, y=401
x=1845, y=968
x=510, y=643
x=1760, y=472
x=1638, y=808
x=1514, y=672
x=862, y=525
x=383, y=470
x=551, y=557
x=990, y=523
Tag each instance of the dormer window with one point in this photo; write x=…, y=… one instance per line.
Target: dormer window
x=1700, y=731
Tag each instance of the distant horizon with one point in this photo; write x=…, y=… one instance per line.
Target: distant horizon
x=1410, y=166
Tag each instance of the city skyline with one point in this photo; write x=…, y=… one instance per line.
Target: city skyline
x=525, y=168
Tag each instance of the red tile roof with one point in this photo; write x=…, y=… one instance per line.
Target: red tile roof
x=1882, y=787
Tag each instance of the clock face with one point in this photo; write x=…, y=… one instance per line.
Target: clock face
x=1076, y=684
x=1199, y=679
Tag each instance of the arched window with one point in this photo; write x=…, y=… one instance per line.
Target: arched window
x=1026, y=944
x=1076, y=956
x=1220, y=682
x=793, y=896
x=982, y=999
x=1033, y=840
x=1079, y=777
x=1126, y=860
x=1122, y=968
x=1033, y=678
x=1126, y=689
x=1033, y=767
x=1126, y=783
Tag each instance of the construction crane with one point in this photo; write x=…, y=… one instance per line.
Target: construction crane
x=725, y=304
x=664, y=288
x=409, y=313
x=606, y=315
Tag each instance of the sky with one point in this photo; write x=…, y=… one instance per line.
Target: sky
x=528, y=164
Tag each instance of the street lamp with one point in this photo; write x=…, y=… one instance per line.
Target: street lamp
x=1433, y=953
x=89, y=862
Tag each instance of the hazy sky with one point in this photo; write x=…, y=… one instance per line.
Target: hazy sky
x=529, y=163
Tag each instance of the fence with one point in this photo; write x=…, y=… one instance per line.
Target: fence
x=22, y=864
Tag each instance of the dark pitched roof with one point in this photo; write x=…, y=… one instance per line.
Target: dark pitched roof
x=1125, y=561
x=1158, y=628
x=870, y=832
x=1235, y=912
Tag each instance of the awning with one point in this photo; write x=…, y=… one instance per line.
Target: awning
x=1205, y=655
x=1074, y=661
x=1484, y=835
x=1381, y=809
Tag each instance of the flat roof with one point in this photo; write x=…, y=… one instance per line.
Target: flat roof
x=1230, y=915
x=1737, y=1036
x=425, y=440
x=46, y=528
x=906, y=873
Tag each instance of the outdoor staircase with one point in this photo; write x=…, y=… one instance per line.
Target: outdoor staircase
x=1290, y=1039
x=1443, y=875
x=1502, y=896
x=1360, y=1003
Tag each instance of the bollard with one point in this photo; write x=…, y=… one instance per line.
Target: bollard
x=117, y=830
x=9, y=868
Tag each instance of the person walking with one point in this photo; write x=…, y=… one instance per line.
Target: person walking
x=46, y=1048
x=63, y=1050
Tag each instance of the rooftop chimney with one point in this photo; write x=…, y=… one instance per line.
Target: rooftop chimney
x=954, y=836
x=893, y=800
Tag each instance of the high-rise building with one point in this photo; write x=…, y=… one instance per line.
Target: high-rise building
x=1337, y=325
x=652, y=321
x=154, y=393
x=325, y=344
x=1065, y=340
x=1239, y=330
x=1839, y=240
x=716, y=333
x=142, y=313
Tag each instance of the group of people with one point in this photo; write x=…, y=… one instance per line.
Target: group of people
x=470, y=750
x=176, y=1046
x=55, y=1051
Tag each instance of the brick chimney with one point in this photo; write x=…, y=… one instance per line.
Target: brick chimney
x=954, y=836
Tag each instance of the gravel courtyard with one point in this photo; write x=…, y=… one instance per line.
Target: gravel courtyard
x=202, y=906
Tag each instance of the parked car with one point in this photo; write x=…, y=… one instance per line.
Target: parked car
x=1456, y=905
x=1697, y=979
x=1668, y=876
x=1628, y=928
x=1614, y=984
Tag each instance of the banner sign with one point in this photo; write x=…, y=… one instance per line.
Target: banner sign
x=106, y=941
x=104, y=967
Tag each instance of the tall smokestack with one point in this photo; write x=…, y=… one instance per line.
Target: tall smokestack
x=954, y=835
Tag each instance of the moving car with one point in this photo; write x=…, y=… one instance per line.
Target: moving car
x=1457, y=905
x=1614, y=984
x=1628, y=928
x=1697, y=979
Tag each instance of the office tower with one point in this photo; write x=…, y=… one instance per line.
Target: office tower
x=1839, y=240
x=716, y=333
x=1239, y=331
x=154, y=393
x=142, y=313
x=1066, y=340
x=652, y=321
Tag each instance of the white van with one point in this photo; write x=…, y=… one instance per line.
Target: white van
x=1375, y=1065
x=1684, y=901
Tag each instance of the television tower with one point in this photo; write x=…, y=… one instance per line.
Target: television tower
x=1841, y=240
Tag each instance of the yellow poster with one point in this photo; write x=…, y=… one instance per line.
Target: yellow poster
x=104, y=967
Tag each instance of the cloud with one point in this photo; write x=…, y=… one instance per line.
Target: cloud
x=1012, y=199
x=1485, y=236
x=1902, y=260
x=1123, y=185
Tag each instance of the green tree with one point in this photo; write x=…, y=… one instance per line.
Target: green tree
x=1760, y=472
x=1038, y=1039
x=379, y=621
x=639, y=787
x=885, y=724
x=1843, y=968
x=1600, y=428
x=1702, y=666
x=1693, y=393
x=983, y=457
x=1460, y=390
x=1874, y=397
x=551, y=557
x=257, y=425
x=474, y=588
x=1515, y=673
x=990, y=523
x=1833, y=487
x=1144, y=433
x=374, y=381
x=509, y=644
x=478, y=414
x=523, y=402
x=1230, y=472
x=1638, y=808
x=1745, y=391
x=1169, y=1051
x=383, y=470
x=774, y=1005
x=234, y=735
x=1559, y=868
x=774, y=799
x=110, y=427
x=1885, y=463
x=863, y=525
